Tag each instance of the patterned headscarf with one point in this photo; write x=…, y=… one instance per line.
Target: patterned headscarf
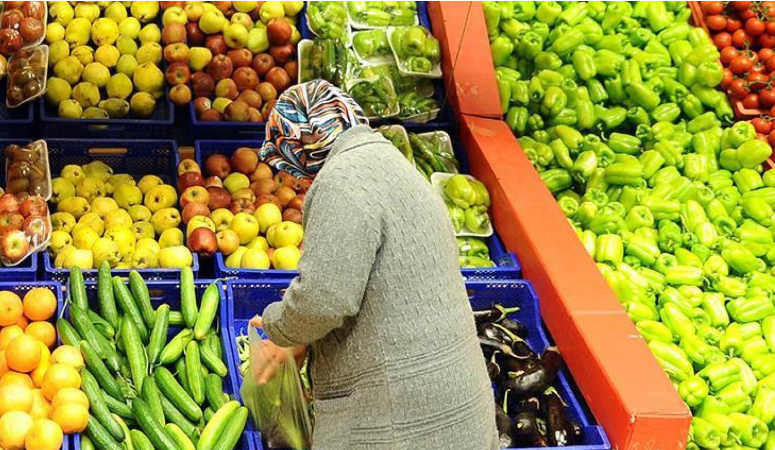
x=304, y=125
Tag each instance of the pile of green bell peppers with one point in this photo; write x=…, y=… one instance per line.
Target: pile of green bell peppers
x=615, y=105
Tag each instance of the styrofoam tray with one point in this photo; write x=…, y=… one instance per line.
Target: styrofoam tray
x=374, y=60
x=435, y=70
x=301, y=47
x=437, y=179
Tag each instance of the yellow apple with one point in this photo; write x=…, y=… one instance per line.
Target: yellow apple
x=118, y=218
x=171, y=237
x=286, y=258
x=76, y=206
x=144, y=258
x=228, y=241
x=94, y=221
x=175, y=257
x=105, y=250
x=235, y=259
x=149, y=243
x=124, y=239
x=84, y=237
x=255, y=259
x=222, y=218
x=72, y=173
x=90, y=188
x=62, y=221
x=164, y=219
x=259, y=243
x=288, y=233
x=246, y=227
x=79, y=258
x=143, y=230
x=140, y=213
x=160, y=197
x=147, y=182
x=121, y=178
x=59, y=240
x=104, y=206
x=127, y=195
x=267, y=215
x=199, y=222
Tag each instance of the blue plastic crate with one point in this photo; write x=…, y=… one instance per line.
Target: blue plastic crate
x=135, y=157
x=15, y=121
x=248, y=298
x=169, y=292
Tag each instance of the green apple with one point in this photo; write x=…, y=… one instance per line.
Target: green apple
x=292, y=8
x=143, y=230
x=222, y=218
x=288, y=233
x=255, y=259
x=72, y=173
x=116, y=12
x=199, y=222
x=104, y=206
x=140, y=213
x=228, y=241
x=271, y=10
x=149, y=33
x=127, y=196
x=160, y=197
x=211, y=21
x=270, y=235
x=244, y=7
x=124, y=239
x=258, y=42
x=59, y=240
x=165, y=219
x=59, y=261
x=62, y=221
x=84, y=237
x=235, y=259
x=259, y=243
x=175, y=257
x=79, y=258
x=76, y=206
x=144, y=258
x=171, y=237
x=61, y=189
x=267, y=215
x=118, y=218
x=246, y=227
x=236, y=181
x=236, y=35
x=105, y=250
x=130, y=27
x=149, y=181
x=286, y=258
x=93, y=220
x=199, y=58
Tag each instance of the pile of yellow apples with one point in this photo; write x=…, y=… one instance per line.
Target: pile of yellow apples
x=101, y=216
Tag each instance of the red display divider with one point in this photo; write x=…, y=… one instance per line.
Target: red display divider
x=625, y=388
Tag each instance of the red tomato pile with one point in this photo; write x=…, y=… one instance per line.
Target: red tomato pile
x=744, y=33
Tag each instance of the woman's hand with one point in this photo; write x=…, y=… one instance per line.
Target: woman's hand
x=269, y=357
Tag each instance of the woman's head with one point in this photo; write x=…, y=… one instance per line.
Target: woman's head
x=304, y=124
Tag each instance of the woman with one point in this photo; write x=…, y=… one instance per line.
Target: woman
x=379, y=297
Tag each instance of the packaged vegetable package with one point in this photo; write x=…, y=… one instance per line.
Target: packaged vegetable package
x=278, y=408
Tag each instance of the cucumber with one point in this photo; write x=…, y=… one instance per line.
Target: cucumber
x=188, y=297
x=180, y=368
x=158, y=334
x=214, y=391
x=207, y=311
x=105, y=295
x=174, y=348
x=151, y=395
x=127, y=444
x=212, y=362
x=151, y=428
x=105, y=380
x=100, y=437
x=176, y=319
x=78, y=288
x=216, y=426
x=118, y=408
x=180, y=438
x=235, y=425
x=86, y=443
x=98, y=407
x=175, y=393
x=128, y=306
x=101, y=325
x=214, y=343
x=173, y=415
x=142, y=297
x=140, y=440
x=196, y=382
x=86, y=330
x=67, y=333
x=135, y=352
x=208, y=414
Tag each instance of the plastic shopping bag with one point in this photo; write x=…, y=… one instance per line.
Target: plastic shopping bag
x=278, y=407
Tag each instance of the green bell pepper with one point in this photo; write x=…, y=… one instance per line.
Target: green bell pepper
x=703, y=433
x=652, y=330
x=672, y=359
x=556, y=179
x=547, y=12
x=753, y=309
x=751, y=430
x=693, y=390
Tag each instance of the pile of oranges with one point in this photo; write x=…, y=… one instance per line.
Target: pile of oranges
x=40, y=396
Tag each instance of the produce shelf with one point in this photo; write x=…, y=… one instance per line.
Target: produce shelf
x=169, y=292
x=248, y=298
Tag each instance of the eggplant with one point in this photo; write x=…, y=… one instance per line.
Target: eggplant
x=490, y=346
x=559, y=430
x=505, y=431
x=516, y=405
x=578, y=431
x=537, y=378
x=526, y=431
x=515, y=326
x=493, y=370
x=494, y=314
x=515, y=364
x=492, y=331
x=522, y=349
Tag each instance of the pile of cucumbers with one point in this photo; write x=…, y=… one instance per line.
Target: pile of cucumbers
x=147, y=391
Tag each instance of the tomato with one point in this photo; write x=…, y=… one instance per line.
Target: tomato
x=765, y=54
x=770, y=64
x=741, y=39
x=740, y=6
x=772, y=112
x=716, y=23
x=723, y=40
x=738, y=88
x=754, y=26
x=767, y=41
x=728, y=77
x=712, y=7
x=762, y=125
x=741, y=64
x=751, y=101
x=733, y=24
x=771, y=138
x=728, y=53
x=745, y=15
x=757, y=80
x=770, y=27
x=767, y=97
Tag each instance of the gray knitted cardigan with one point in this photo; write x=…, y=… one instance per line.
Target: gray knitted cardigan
x=381, y=301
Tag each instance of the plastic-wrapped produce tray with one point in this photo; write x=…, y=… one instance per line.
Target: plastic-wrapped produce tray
x=15, y=121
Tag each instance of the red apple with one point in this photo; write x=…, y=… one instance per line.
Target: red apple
x=31, y=29
x=213, y=181
x=285, y=194
x=203, y=84
x=262, y=63
x=219, y=198
x=12, y=19
x=188, y=179
x=173, y=33
x=279, y=32
x=246, y=78
x=176, y=53
x=262, y=172
x=278, y=78
x=225, y=7
x=266, y=91
x=292, y=69
x=165, y=5
x=36, y=9
x=244, y=160
x=227, y=88
x=14, y=246
x=254, y=115
x=242, y=205
x=180, y=94
x=282, y=53
x=202, y=104
x=194, y=194
x=10, y=41
x=240, y=57
x=33, y=206
x=252, y=98
x=194, y=209
x=266, y=198
x=293, y=215
x=264, y=186
x=9, y=203
x=237, y=111
x=10, y=221
x=178, y=73
x=211, y=115
x=220, y=67
x=36, y=227
x=195, y=36
x=296, y=203
x=218, y=165
x=216, y=44
x=203, y=241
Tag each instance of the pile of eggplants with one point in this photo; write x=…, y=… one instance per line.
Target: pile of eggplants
x=529, y=412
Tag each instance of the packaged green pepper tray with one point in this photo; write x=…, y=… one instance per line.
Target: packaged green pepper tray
x=376, y=96
x=372, y=15
x=416, y=51
x=371, y=47
x=467, y=201
x=328, y=19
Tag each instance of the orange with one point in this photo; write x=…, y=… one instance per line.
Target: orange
x=15, y=397
x=44, y=332
x=16, y=378
x=13, y=430
x=43, y=365
x=59, y=376
x=69, y=355
x=3, y=365
x=23, y=354
x=23, y=322
x=44, y=434
x=40, y=304
x=8, y=334
x=41, y=408
x=69, y=395
x=10, y=308
x=72, y=417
